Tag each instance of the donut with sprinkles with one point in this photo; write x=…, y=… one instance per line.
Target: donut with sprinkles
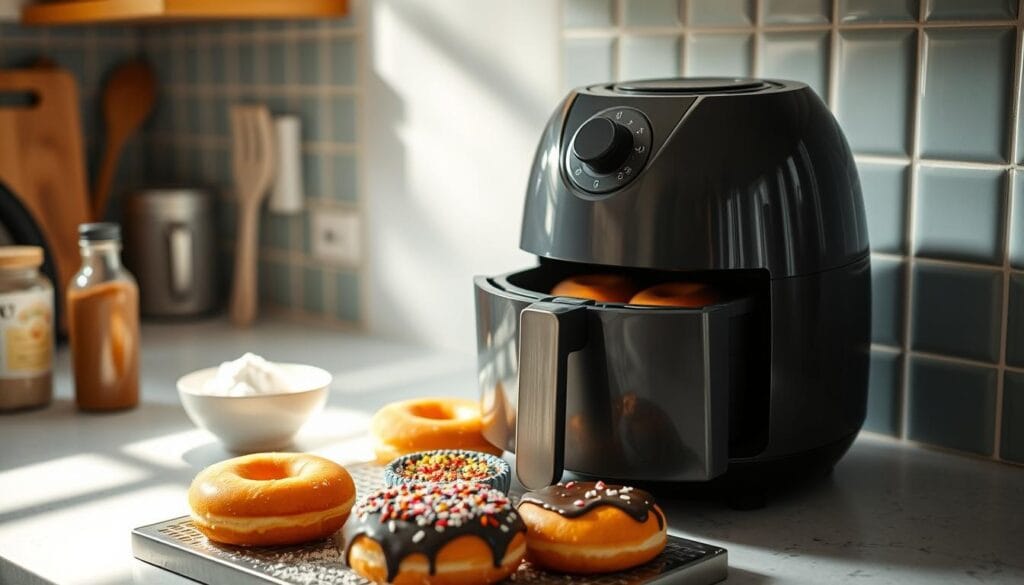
x=444, y=534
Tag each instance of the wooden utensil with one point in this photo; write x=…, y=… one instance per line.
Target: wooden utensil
x=252, y=163
x=42, y=162
x=128, y=99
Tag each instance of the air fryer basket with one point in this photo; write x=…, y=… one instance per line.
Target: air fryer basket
x=653, y=393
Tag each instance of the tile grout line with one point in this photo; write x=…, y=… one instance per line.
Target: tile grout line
x=619, y=9
x=760, y=27
x=833, y=61
x=755, y=44
x=910, y=221
x=683, y=17
x=326, y=290
x=1010, y=187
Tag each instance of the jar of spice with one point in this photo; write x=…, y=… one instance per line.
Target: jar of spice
x=26, y=329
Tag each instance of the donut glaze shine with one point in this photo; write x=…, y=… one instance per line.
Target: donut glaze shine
x=269, y=499
x=425, y=424
x=451, y=534
x=592, y=527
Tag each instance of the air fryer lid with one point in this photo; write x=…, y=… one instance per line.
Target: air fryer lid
x=691, y=85
x=720, y=173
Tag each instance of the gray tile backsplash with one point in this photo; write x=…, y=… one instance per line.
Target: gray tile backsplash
x=586, y=61
x=971, y=9
x=960, y=214
x=868, y=11
x=1015, y=322
x=1013, y=410
x=957, y=311
x=966, y=99
x=883, y=414
x=874, y=105
x=302, y=68
x=649, y=56
x=952, y=405
x=719, y=54
x=926, y=93
x=885, y=186
x=307, y=69
x=797, y=55
x=588, y=13
x=887, y=285
x=796, y=11
x=651, y=12
x=720, y=12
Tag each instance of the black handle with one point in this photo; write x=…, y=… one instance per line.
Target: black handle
x=548, y=333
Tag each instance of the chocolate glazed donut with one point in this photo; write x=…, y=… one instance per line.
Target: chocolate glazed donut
x=418, y=528
x=575, y=499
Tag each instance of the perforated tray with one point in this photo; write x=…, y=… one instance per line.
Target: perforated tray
x=177, y=546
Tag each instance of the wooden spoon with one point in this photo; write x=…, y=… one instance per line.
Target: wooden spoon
x=128, y=98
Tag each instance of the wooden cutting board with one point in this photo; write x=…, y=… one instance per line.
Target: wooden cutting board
x=42, y=159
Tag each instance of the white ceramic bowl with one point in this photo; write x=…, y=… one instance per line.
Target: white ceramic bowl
x=264, y=422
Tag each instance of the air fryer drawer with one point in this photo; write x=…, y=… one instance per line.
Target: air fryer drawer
x=647, y=395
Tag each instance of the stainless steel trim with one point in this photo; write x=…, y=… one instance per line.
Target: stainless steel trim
x=548, y=332
x=179, y=258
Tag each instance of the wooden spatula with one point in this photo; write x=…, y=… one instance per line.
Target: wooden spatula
x=128, y=98
x=252, y=163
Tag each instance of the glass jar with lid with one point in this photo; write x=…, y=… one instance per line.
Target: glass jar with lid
x=26, y=329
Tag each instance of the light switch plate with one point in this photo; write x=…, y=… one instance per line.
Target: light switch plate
x=336, y=236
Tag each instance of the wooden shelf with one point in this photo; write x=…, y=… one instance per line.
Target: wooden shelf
x=95, y=11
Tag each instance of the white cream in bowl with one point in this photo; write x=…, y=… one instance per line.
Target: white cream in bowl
x=252, y=404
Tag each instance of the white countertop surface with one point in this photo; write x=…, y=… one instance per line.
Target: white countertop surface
x=73, y=485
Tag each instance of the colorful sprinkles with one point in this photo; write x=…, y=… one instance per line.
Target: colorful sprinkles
x=447, y=466
x=420, y=518
x=437, y=505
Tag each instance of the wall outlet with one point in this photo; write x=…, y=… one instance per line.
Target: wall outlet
x=336, y=236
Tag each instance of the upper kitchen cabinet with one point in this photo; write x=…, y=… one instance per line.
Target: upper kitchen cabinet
x=94, y=11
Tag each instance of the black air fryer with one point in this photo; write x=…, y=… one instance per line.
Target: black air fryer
x=745, y=185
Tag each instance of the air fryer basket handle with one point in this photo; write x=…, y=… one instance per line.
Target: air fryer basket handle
x=548, y=332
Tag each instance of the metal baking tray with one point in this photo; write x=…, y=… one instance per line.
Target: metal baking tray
x=175, y=545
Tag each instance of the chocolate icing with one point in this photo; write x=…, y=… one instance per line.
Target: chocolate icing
x=576, y=498
x=398, y=537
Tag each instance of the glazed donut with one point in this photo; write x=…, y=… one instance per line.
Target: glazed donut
x=267, y=499
x=588, y=527
x=440, y=534
x=424, y=424
x=609, y=288
x=676, y=294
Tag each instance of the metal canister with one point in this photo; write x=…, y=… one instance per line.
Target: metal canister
x=171, y=248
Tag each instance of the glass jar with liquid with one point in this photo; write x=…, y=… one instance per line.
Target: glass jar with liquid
x=103, y=323
x=26, y=329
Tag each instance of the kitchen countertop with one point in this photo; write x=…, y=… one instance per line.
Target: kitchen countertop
x=73, y=485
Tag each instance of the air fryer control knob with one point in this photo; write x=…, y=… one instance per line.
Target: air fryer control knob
x=608, y=150
x=602, y=145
